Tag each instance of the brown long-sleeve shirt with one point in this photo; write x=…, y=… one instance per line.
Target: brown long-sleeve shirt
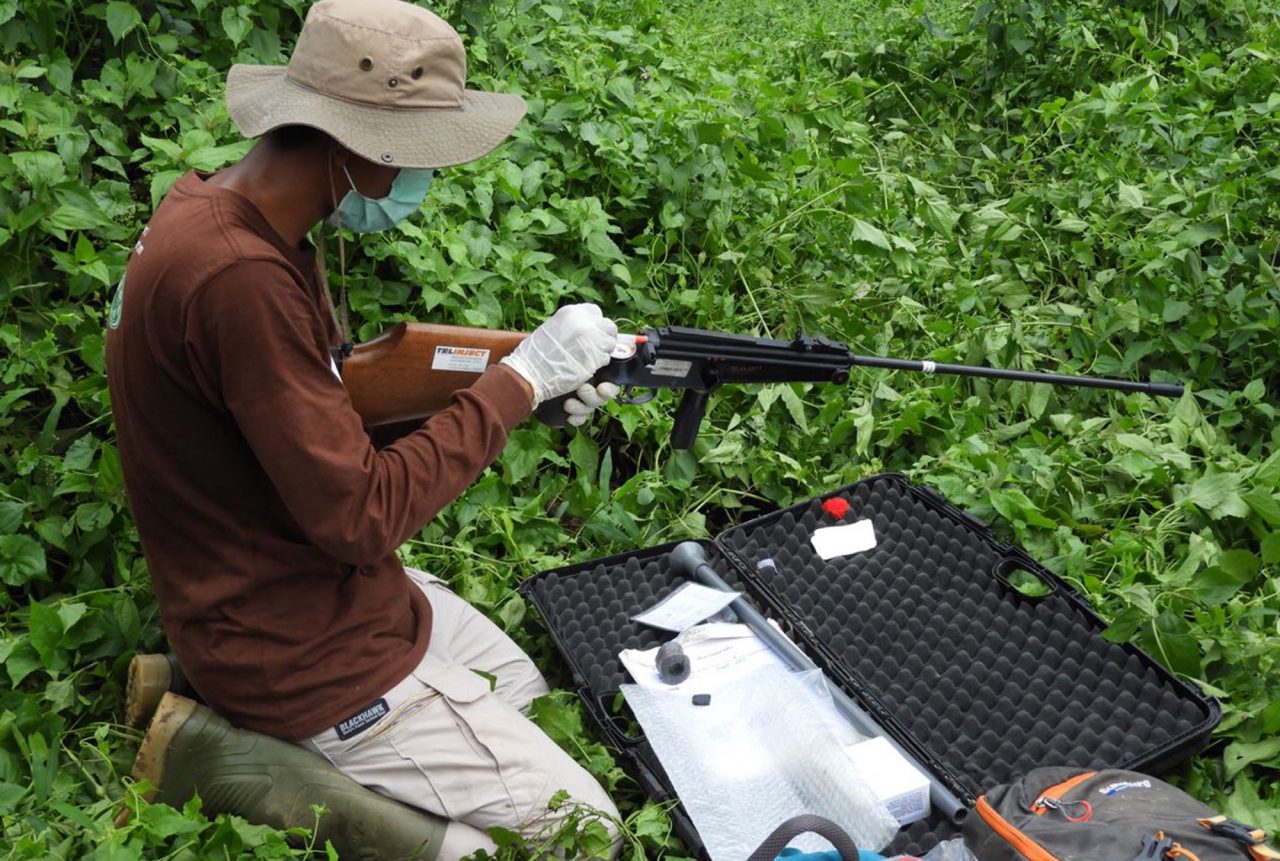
x=268, y=520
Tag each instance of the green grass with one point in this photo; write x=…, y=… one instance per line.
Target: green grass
x=1062, y=186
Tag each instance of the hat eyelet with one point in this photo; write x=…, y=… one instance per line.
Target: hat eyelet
x=393, y=82
x=417, y=73
x=366, y=65
x=387, y=157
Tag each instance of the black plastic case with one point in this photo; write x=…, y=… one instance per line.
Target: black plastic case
x=925, y=631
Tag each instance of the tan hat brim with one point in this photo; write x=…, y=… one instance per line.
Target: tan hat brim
x=261, y=98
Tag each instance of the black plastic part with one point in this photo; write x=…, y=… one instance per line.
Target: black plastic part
x=925, y=631
x=551, y=412
x=693, y=406
x=672, y=663
x=701, y=699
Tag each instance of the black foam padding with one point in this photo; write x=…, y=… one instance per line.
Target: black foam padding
x=924, y=630
x=918, y=838
x=926, y=626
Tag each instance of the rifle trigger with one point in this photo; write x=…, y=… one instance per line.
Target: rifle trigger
x=627, y=396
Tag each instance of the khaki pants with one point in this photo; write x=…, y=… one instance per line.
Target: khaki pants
x=453, y=747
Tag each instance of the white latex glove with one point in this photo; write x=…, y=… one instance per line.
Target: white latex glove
x=565, y=351
x=586, y=399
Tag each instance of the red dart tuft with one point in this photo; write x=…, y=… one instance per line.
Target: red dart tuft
x=836, y=507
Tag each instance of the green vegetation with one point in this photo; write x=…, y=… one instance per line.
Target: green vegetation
x=1072, y=185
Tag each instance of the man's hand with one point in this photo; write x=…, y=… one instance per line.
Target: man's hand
x=585, y=400
x=562, y=354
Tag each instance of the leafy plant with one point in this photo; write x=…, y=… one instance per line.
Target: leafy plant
x=1072, y=186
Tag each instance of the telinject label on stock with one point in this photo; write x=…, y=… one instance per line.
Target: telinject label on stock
x=471, y=360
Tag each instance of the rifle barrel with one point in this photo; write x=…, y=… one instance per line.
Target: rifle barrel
x=1169, y=390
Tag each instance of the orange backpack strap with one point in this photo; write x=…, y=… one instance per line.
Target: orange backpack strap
x=1253, y=839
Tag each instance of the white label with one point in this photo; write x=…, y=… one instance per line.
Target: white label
x=470, y=360
x=833, y=541
x=671, y=368
x=896, y=782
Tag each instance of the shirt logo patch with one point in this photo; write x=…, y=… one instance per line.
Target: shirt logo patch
x=362, y=720
x=117, y=306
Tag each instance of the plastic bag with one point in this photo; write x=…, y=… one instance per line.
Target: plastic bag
x=757, y=754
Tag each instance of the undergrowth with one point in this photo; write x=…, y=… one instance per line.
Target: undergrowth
x=1071, y=186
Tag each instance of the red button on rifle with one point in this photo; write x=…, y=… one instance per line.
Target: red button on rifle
x=836, y=507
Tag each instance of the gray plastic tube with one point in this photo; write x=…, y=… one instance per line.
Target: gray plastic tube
x=689, y=560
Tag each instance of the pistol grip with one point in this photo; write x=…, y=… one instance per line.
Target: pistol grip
x=551, y=412
x=693, y=406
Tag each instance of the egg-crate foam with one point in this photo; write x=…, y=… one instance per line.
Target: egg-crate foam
x=981, y=682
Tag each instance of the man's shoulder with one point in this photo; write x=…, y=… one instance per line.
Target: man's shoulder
x=201, y=222
x=196, y=238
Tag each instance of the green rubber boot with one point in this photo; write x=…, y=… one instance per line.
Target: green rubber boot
x=189, y=749
x=150, y=677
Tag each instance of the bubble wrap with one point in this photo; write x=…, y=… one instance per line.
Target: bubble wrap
x=756, y=756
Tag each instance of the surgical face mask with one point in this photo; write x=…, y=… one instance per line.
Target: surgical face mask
x=362, y=214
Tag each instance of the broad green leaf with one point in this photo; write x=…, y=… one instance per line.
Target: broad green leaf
x=621, y=87
x=1138, y=443
x=1271, y=548
x=795, y=407
x=80, y=454
x=1210, y=491
x=10, y=516
x=1240, y=754
x=10, y=795
x=1240, y=564
x=1198, y=234
x=236, y=23
x=46, y=632
x=70, y=612
x=1130, y=196
x=40, y=169
x=1217, y=584
x=1264, y=504
x=584, y=455
x=121, y=18
x=212, y=158
x=21, y=560
x=1268, y=473
x=869, y=233
x=1245, y=805
x=1169, y=640
x=20, y=659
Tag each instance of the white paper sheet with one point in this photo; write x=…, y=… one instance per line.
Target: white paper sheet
x=833, y=541
x=719, y=653
x=686, y=607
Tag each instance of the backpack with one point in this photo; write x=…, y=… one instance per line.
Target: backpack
x=1065, y=814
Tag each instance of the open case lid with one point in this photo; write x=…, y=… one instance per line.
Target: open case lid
x=927, y=631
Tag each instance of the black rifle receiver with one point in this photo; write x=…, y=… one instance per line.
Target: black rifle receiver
x=700, y=361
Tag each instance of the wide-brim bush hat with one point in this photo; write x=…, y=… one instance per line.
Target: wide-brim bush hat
x=385, y=78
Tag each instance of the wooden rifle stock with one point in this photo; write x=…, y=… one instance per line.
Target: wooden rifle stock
x=410, y=371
